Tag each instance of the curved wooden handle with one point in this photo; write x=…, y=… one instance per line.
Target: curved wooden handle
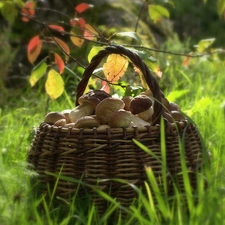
x=137, y=61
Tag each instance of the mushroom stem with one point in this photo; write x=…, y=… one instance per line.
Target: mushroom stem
x=147, y=115
x=85, y=109
x=138, y=122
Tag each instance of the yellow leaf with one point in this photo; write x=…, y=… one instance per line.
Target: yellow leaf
x=74, y=37
x=38, y=72
x=115, y=67
x=54, y=84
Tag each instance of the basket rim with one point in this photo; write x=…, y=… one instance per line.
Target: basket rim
x=171, y=126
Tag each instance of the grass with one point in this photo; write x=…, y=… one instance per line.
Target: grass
x=203, y=101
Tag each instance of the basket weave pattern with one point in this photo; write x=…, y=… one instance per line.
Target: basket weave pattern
x=99, y=156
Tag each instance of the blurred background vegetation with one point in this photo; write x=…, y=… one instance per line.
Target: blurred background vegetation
x=189, y=22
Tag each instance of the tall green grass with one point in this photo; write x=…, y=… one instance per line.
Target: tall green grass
x=199, y=90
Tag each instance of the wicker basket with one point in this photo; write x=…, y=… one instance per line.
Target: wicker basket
x=98, y=156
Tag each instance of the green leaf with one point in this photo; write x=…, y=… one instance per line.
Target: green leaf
x=54, y=85
x=93, y=52
x=9, y=11
x=174, y=95
x=149, y=60
x=156, y=12
x=132, y=35
x=38, y=72
x=204, y=44
x=220, y=7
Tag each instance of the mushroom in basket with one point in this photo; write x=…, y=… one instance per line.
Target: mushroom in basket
x=88, y=103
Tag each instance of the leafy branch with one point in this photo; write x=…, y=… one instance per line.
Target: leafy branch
x=80, y=31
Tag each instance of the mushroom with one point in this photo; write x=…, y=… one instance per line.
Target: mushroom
x=148, y=93
x=85, y=109
x=103, y=127
x=86, y=122
x=141, y=105
x=60, y=123
x=177, y=115
x=88, y=103
x=121, y=118
x=127, y=100
x=69, y=125
x=168, y=117
x=52, y=117
x=173, y=107
x=107, y=107
x=66, y=113
x=138, y=122
x=165, y=103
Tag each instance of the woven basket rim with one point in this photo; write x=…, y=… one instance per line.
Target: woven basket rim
x=156, y=127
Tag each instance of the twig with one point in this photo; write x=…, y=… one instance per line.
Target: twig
x=175, y=53
x=125, y=45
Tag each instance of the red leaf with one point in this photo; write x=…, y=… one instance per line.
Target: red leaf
x=158, y=73
x=89, y=32
x=58, y=28
x=82, y=7
x=28, y=11
x=186, y=61
x=34, y=48
x=78, y=21
x=62, y=45
x=105, y=87
x=59, y=62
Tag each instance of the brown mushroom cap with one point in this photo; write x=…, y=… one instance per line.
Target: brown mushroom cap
x=148, y=93
x=173, y=107
x=86, y=122
x=177, y=115
x=165, y=103
x=52, y=117
x=60, y=123
x=140, y=103
x=127, y=100
x=66, y=113
x=93, y=97
x=121, y=118
x=107, y=107
x=168, y=117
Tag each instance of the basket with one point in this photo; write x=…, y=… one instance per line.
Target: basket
x=102, y=157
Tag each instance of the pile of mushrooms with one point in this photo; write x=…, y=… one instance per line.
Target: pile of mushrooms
x=99, y=109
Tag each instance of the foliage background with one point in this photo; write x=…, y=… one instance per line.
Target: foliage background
x=198, y=88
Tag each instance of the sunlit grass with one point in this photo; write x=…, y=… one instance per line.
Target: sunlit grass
x=203, y=101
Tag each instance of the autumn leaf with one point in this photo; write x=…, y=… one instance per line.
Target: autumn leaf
x=58, y=28
x=115, y=67
x=59, y=62
x=80, y=22
x=89, y=32
x=34, y=48
x=74, y=37
x=62, y=45
x=82, y=7
x=54, y=84
x=28, y=11
x=105, y=87
x=77, y=32
x=143, y=81
x=186, y=61
x=38, y=72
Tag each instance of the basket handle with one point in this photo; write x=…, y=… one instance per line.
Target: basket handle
x=150, y=80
